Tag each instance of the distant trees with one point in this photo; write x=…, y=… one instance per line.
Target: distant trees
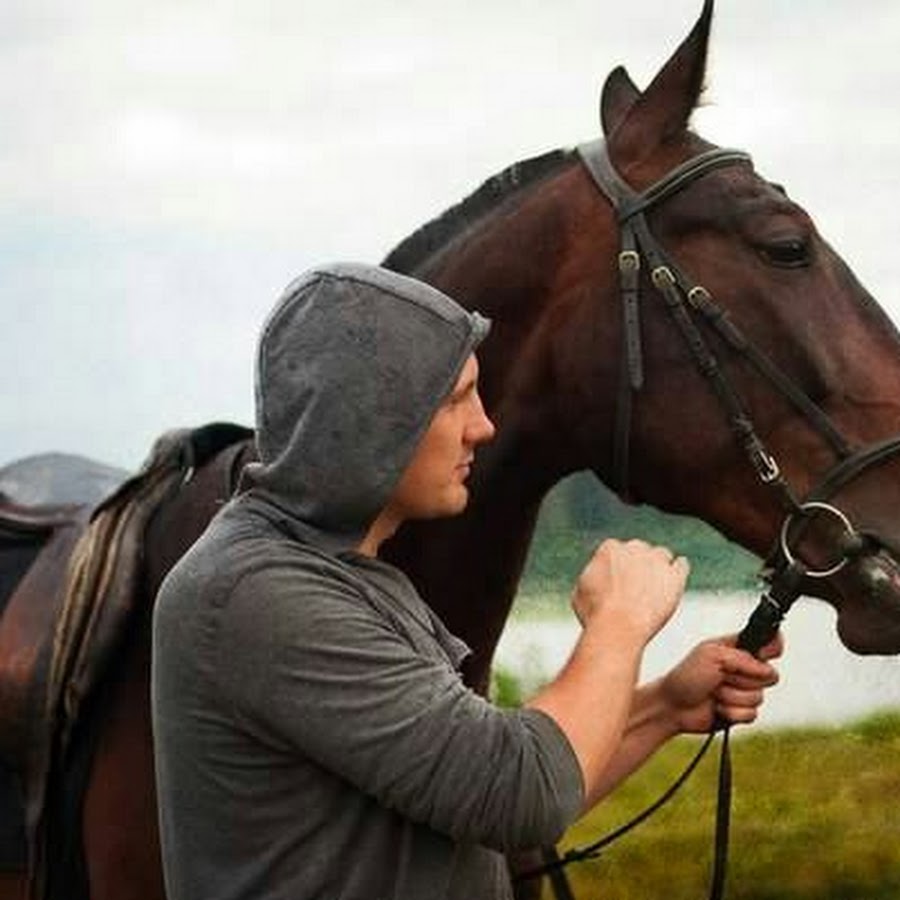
x=580, y=512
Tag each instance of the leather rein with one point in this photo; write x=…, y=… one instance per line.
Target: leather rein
x=696, y=315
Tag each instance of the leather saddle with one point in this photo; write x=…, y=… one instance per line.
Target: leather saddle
x=45, y=502
x=45, y=505
x=71, y=533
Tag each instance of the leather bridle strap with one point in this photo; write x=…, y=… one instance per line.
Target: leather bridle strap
x=681, y=295
x=853, y=466
x=629, y=206
x=700, y=299
x=629, y=202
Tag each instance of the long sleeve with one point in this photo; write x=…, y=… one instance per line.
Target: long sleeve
x=315, y=666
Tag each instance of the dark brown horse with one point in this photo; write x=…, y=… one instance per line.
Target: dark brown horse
x=538, y=250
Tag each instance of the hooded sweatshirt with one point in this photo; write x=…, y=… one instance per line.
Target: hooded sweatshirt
x=313, y=735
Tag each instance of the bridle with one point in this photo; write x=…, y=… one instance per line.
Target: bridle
x=691, y=306
x=695, y=314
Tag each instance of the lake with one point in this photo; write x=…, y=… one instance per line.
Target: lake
x=821, y=682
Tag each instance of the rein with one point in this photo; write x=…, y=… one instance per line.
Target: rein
x=692, y=308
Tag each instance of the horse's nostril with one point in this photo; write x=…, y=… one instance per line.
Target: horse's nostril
x=881, y=576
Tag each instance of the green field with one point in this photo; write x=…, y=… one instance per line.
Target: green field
x=815, y=810
x=814, y=818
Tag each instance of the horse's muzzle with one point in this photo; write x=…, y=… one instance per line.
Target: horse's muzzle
x=869, y=608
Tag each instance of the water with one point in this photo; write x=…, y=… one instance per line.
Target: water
x=821, y=681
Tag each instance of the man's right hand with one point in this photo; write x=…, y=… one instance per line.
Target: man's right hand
x=625, y=594
x=630, y=587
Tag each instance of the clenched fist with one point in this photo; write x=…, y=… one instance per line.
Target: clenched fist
x=630, y=586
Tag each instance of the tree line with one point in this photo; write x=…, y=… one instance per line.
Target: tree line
x=580, y=512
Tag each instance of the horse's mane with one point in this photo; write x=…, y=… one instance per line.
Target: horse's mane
x=431, y=237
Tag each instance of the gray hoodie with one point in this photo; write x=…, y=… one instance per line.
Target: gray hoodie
x=313, y=736
x=352, y=364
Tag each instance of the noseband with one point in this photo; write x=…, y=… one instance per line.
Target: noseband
x=695, y=314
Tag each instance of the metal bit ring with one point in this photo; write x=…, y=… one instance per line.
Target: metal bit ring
x=785, y=534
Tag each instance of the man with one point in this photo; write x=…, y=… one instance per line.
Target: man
x=313, y=736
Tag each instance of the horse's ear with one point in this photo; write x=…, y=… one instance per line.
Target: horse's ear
x=661, y=113
x=618, y=96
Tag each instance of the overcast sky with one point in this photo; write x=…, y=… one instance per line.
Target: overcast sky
x=166, y=167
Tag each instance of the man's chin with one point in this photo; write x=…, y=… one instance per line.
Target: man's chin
x=461, y=500
x=454, y=504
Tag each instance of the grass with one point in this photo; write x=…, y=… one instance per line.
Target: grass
x=814, y=818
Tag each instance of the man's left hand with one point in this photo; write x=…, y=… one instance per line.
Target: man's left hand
x=717, y=679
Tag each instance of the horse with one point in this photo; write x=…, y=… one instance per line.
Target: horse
x=663, y=317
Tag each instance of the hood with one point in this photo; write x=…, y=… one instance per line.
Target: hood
x=352, y=364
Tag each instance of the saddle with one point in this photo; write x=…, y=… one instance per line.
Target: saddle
x=83, y=525
x=45, y=504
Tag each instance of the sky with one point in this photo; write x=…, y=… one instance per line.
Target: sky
x=166, y=168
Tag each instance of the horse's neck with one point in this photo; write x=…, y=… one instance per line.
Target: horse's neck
x=468, y=569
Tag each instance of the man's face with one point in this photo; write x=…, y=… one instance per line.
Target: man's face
x=434, y=482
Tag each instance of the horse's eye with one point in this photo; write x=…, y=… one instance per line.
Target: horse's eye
x=789, y=254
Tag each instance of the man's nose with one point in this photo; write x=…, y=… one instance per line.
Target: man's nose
x=482, y=428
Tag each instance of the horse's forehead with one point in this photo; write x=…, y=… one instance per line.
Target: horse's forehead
x=737, y=196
